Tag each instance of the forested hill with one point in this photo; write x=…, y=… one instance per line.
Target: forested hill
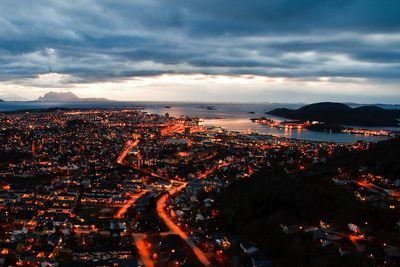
x=255, y=208
x=341, y=114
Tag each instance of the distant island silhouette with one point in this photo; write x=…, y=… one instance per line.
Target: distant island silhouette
x=68, y=97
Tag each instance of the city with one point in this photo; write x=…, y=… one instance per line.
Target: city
x=124, y=187
x=200, y=133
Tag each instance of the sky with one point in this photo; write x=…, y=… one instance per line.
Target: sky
x=202, y=50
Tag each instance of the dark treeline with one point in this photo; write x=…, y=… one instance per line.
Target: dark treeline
x=255, y=208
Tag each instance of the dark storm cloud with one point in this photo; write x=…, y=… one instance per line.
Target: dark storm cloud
x=109, y=39
x=287, y=16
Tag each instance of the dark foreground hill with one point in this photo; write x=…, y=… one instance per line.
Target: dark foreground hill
x=341, y=114
x=255, y=208
x=382, y=158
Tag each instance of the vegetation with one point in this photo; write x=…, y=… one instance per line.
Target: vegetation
x=341, y=114
x=256, y=208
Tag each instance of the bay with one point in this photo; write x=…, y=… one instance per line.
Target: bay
x=230, y=116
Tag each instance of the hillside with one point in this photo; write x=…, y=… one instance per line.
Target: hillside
x=382, y=158
x=255, y=208
x=341, y=114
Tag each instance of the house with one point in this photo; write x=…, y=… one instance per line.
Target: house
x=170, y=243
x=25, y=216
x=102, y=253
x=221, y=240
x=248, y=247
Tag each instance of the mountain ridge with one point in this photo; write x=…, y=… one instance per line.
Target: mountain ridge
x=67, y=97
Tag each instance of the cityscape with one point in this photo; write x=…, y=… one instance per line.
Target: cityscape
x=199, y=133
x=122, y=187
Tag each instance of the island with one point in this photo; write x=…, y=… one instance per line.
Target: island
x=340, y=114
x=68, y=97
x=207, y=107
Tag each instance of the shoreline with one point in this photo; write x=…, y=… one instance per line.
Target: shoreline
x=228, y=117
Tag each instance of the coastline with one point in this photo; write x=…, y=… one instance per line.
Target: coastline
x=229, y=116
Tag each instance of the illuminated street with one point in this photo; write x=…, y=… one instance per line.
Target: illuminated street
x=153, y=133
x=175, y=229
x=128, y=204
x=142, y=188
x=143, y=249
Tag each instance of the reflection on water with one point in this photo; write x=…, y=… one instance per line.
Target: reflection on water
x=243, y=125
x=234, y=116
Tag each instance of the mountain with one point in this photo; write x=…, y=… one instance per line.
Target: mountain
x=341, y=114
x=58, y=97
x=1, y=100
x=67, y=97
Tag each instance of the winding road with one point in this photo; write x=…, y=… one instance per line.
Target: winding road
x=140, y=242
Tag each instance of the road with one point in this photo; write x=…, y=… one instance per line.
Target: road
x=207, y=173
x=120, y=213
x=140, y=242
x=176, y=230
x=143, y=249
x=124, y=153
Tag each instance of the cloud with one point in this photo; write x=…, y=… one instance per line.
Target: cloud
x=93, y=41
x=210, y=88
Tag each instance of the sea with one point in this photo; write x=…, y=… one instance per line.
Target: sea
x=229, y=116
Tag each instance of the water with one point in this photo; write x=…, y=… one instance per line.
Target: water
x=231, y=116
